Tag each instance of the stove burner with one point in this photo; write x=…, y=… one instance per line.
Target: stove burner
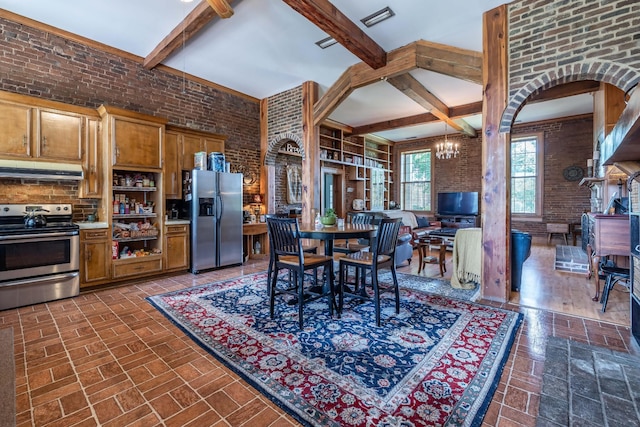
x=16, y=219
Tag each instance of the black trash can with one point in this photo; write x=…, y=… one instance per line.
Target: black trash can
x=520, y=251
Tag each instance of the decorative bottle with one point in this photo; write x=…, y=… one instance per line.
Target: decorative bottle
x=318, y=222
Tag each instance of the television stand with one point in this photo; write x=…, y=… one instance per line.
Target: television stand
x=458, y=221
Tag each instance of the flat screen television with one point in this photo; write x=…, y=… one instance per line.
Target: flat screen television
x=458, y=203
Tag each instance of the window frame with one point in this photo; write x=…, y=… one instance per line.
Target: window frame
x=402, y=181
x=539, y=197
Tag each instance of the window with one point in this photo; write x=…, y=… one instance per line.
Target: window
x=415, y=180
x=526, y=175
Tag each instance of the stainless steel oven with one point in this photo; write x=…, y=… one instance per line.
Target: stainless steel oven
x=39, y=259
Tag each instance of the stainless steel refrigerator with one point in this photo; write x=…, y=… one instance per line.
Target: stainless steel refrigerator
x=216, y=219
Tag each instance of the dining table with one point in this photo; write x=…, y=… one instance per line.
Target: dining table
x=329, y=233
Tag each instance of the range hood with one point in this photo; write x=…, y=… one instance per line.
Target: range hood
x=40, y=170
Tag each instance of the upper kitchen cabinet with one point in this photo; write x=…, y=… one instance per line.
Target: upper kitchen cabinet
x=15, y=130
x=59, y=135
x=180, y=146
x=91, y=186
x=172, y=166
x=136, y=140
x=195, y=141
x=41, y=130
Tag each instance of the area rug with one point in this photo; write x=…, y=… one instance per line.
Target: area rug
x=571, y=259
x=433, y=285
x=585, y=385
x=436, y=363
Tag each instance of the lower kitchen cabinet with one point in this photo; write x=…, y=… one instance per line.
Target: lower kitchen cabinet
x=95, y=256
x=137, y=266
x=176, y=247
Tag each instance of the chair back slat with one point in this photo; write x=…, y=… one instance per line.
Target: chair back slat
x=361, y=218
x=387, y=236
x=284, y=236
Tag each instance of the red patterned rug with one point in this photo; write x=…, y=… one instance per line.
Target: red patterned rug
x=436, y=363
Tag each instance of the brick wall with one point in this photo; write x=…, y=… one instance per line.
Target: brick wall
x=567, y=142
x=285, y=113
x=554, y=42
x=463, y=173
x=284, y=124
x=47, y=66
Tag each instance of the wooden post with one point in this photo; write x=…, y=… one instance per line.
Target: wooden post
x=496, y=218
x=311, y=160
x=267, y=172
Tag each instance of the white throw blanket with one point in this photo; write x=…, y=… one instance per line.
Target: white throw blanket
x=467, y=258
x=408, y=218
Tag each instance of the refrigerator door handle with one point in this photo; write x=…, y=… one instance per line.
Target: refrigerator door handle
x=219, y=207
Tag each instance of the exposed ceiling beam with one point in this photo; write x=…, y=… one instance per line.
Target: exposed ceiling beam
x=457, y=112
x=399, y=61
x=459, y=63
x=451, y=61
x=200, y=16
x=411, y=87
x=329, y=19
x=564, y=90
x=221, y=7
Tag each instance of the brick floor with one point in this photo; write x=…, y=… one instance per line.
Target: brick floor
x=109, y=358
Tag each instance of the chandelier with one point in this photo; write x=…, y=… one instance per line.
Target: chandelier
x=446, y=149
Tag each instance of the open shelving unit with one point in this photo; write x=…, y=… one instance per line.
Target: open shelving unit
x=366, y=160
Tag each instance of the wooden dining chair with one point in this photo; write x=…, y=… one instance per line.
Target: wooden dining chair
x=382, y=256
x=348, y=247
x=312, y=249
x=287, y=253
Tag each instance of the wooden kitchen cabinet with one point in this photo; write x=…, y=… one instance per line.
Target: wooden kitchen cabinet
x=176, y=252
x=138, y=266
x=59, y=135
x=173, y=166
x=91, y=185
x=95, y=253
x=15, y=130
x=136, y=140
x=32, y=128
x=195, y=141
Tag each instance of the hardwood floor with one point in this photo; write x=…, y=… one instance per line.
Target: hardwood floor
x=108, y=358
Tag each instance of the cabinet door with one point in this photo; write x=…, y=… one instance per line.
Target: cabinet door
x=60, y=135
x=137, y=144
x=91, y=184
x=15, y=130
x=212, y=145
x=176, y=248
x=95, y=255
x=190, y=144
x=172, y=166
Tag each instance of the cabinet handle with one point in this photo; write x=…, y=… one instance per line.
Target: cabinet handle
x=92, y=169
x=117, y=152
x=44, y=141
x=24, y=140
x=89, y=253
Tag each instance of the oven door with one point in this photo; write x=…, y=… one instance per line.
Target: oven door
x=39, y=254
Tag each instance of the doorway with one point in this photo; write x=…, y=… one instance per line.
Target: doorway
x=332, y=191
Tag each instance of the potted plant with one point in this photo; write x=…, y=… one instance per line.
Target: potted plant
x=329, y=217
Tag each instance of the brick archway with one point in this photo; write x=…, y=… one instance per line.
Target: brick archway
x=279, y=141
x=622, y=76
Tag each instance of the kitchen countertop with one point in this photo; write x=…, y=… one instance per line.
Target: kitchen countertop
x=177, y=222
x=86, y=225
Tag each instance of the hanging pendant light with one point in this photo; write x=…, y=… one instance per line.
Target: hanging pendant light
x=446, y=149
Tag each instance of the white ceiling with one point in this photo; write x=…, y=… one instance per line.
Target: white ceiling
x=266, y=48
